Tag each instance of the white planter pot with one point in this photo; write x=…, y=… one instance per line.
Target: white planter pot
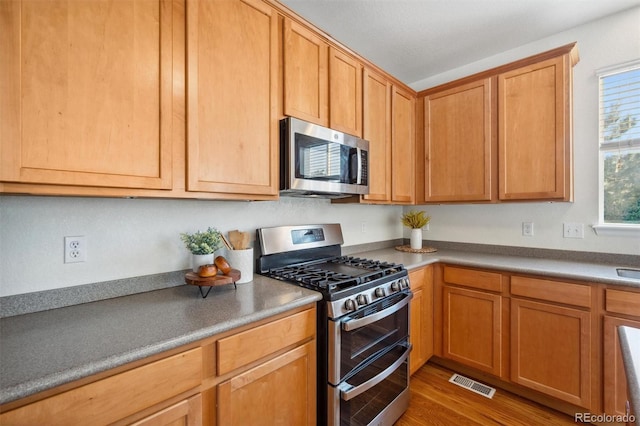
x=198, y=260
x=416, y=239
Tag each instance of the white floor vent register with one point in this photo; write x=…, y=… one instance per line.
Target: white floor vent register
x=472, y=385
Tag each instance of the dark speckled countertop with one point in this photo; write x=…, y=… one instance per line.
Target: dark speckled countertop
x=41, y=350
x=45, y=349
x=553, y=268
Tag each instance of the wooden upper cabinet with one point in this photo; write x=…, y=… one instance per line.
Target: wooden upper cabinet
x=459, y=143
x=534, y=116
x=402, y=146
x=377, y=130
x=232, y=117
x=345, y=93
x=306, y=58
x=322, y=84
x=86, y=93
x=502, y=134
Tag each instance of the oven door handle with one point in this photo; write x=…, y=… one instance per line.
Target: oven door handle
x=349, y=324
x=348, y=391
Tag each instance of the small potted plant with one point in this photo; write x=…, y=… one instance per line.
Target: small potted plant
x=415, y=220
x=202, y=246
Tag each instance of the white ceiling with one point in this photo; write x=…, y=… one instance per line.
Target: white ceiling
x=417, y=39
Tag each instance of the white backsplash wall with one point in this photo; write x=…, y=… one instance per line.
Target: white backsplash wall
x=134, y=237
x=603, y=43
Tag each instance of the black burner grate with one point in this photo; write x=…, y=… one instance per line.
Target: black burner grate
x=321, y=276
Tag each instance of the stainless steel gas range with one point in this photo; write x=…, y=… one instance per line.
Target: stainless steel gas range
x=363, y=322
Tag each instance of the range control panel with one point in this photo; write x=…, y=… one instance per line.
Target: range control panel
x=304, y=236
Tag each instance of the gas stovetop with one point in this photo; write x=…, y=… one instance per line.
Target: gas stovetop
x=334, y=274
x=310, y=256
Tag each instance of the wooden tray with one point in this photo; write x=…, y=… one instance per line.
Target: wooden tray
x=194, y=279
x=408, y=249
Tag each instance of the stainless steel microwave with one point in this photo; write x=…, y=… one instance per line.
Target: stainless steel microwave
x=316, y=161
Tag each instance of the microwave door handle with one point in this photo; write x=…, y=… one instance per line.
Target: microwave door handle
x=359, y=178
x=349, y=324
x=348, y=391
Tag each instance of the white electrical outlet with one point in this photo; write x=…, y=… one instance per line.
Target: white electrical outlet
x=75, y=249
x=527, y=229
x=363, y=227
x=573, y=230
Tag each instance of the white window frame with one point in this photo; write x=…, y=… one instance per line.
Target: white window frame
x=602, y=228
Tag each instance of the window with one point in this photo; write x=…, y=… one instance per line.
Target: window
x=620, y=145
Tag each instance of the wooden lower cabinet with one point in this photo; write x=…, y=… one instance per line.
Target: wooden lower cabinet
x=615, y=381
x=117, y=397
x=622, y=309
x=185, y=413
x=262, y=373
x=280, y=391
x=421, y=317
x=536, y=336
x=550, y=350
x=472, y=333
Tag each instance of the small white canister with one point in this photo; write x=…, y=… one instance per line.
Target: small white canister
x=243, y=261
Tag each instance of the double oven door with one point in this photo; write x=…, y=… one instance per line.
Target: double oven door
x=368, y=357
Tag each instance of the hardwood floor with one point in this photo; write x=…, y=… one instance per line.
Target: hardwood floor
x=435, y=401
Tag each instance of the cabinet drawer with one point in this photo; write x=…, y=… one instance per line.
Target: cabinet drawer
x=623, y=302
x=116, y=397
x=482, y=280
x=251, y=345
x=417, y=277
x=552, y=291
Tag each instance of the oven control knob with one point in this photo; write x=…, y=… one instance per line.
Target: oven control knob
x=395, y=286
x=404, y=283
x=350, y=305
x=361, y=299
x=379, y=292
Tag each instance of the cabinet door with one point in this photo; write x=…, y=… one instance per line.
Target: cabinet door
x=280, y=391
x=615, y=380
x=184, y=413
x=402, y=146
x=232, y=99
x=421, y=317
x=345, y=93
x=472, y=328
x=306, y=57
x=86, y=92
x=459, y=143
x=377, y=130
x=534, y=119
x=416, y=325
x=550, y=350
